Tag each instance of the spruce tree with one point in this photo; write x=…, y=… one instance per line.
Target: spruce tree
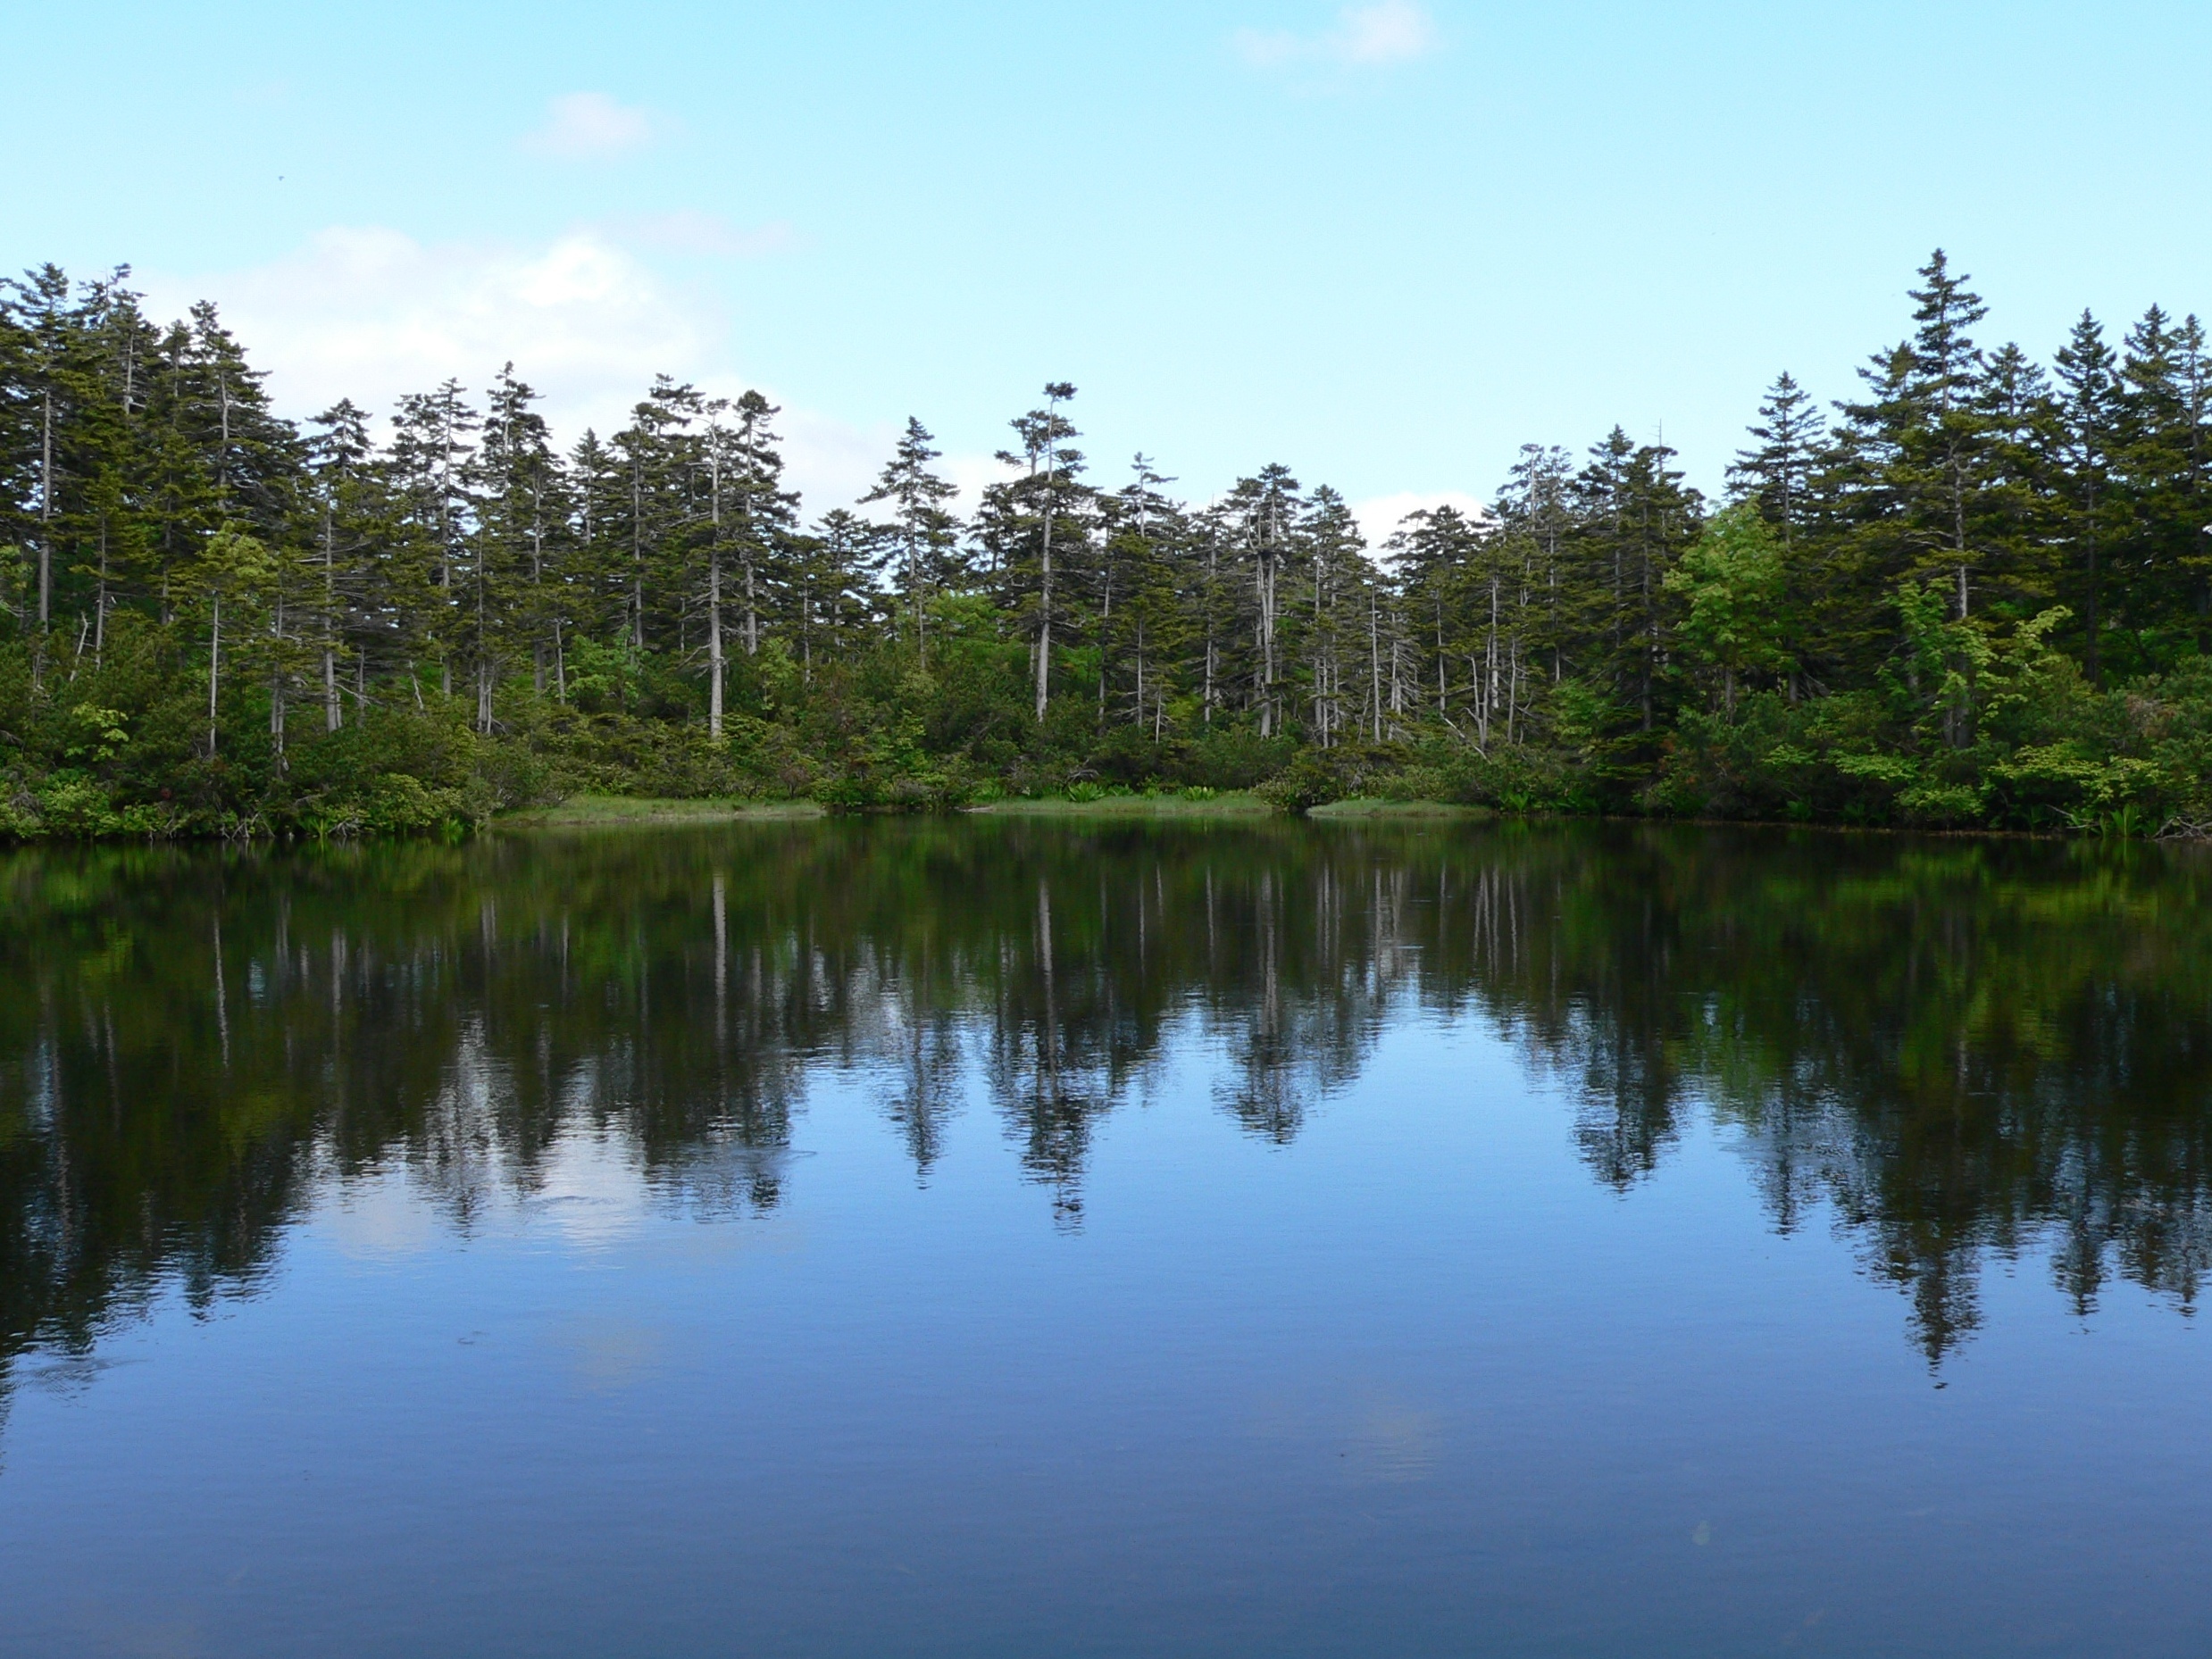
x=1778, y=471
x=923, y=533
x=1021, y=517
x=344, y=502
x=2090, y=415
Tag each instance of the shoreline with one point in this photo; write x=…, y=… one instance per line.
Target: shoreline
x=614, y=812
x=605, y=811
x=593, y=812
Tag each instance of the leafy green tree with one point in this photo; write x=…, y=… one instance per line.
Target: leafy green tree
x=1732, y=582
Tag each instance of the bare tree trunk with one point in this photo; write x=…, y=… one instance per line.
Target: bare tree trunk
x=46, y=537
x=713, y=639
x=276, y=684
x=918, y=586
x=1443, y=688
x=1106, y=618
x=1212, y=571
x=637, y=556
x=1374, y=663
x=99, y=603
x=484, y=668
x=2094, y=665
x=1044, y=609
x=332, y=718
x=46, y=511
x=214, y=659
x=537, y=582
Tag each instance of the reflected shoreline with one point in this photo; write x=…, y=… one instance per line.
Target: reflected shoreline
x=1957, y=1049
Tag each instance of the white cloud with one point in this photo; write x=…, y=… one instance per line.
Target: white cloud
x=370, y=313
x=1379, y=516
x=589, y=126
x=1391, y=31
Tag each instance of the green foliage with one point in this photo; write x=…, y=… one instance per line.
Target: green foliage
x=1732, y=579
x=214, y=622
x=1316, y=776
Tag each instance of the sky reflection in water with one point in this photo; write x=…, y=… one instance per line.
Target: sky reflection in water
x=983, y=1237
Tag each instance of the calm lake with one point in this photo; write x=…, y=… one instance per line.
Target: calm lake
x=989, y=1237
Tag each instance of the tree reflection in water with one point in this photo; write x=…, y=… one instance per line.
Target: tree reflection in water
x=1951, y=1048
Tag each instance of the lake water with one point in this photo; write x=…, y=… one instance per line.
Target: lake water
x=1075, y=1238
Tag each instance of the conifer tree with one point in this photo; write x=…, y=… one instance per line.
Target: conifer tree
x=1021, y=517
x=515, y=488
x=1944, y=457
x=1778, y=470
x=343, y=502
x=2013, y=510
x=1337, y=573
x=1262, y=511
x=431, y=447
x=770, y=514
x=923, y=535
x=40, y=324
x=2090, y=418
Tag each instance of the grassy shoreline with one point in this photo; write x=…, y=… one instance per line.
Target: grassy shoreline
x=1228, y=803
x=605, y=811
x=1361, y=809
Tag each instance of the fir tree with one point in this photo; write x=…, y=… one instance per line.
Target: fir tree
x=925, y=535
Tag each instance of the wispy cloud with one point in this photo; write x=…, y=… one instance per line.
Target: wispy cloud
x=590, y=127
x=369, y=312
x=1390, y=31
x=1380, y=517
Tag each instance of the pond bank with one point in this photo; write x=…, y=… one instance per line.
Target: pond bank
x=599, y=811
x=596, y=811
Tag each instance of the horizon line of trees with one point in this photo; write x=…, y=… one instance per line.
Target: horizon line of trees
x=1927, y=555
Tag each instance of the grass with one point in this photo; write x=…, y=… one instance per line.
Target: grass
x=614, y=812
x=1228, y=803
x=1361, y=808
x=609, y=812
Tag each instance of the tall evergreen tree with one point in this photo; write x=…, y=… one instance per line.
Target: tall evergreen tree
x=2090, y=415
x=924, y=535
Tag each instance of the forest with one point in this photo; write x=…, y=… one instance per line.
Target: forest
x=1977, y=596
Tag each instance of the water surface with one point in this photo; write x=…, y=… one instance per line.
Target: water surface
x=981, y=1237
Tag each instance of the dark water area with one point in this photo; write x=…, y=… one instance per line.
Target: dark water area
x=990, y=1238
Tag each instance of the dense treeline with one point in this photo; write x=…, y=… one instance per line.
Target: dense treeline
x=1982, y=594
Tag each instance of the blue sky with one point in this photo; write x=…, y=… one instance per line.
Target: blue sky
x=1385, y=244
